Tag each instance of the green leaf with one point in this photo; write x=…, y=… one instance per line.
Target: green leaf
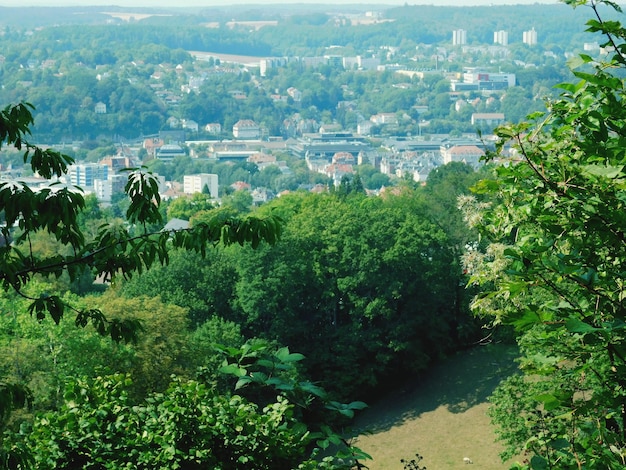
x=284, y=355
x=538, y=462
x=233, y=369
x=606, y=171
x=549, y=401
x=574, y=325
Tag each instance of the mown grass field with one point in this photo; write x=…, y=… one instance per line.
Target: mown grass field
x=442, y=415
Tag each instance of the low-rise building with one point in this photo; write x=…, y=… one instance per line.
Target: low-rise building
x=169, y=151
x=213, y=128
x=470, y=154
x=246, y=129
x=487, y=119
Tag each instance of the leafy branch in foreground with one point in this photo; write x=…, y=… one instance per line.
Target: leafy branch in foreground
x=190, y=426
x=555, y=267
x=116, y=250
x=263, y=372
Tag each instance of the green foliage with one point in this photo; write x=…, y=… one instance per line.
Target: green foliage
x=206, y=287
x=262, y=371
x=554, y=269
x=186, y=207
x=359, y=285
x=240, y=201
x=189, y=426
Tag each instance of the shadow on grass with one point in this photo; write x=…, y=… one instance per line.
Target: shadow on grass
x=458, y=383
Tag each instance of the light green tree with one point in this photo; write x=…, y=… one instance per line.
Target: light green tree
x=185, y=207
x=553, y=266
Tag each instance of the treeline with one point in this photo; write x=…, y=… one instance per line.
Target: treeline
x=369, y=289
x=308, y=29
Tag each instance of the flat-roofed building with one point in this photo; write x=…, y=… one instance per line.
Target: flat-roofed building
x=197, y=184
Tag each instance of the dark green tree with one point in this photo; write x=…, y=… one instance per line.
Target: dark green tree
x=360, y=285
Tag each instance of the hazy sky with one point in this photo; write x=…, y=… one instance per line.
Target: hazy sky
x=208, y=3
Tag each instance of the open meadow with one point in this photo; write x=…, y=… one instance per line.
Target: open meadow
x=441, y=416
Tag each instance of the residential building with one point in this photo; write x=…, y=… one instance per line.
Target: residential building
x=336, y=171
x=330, y=128
x=345, y=158
x=213, y=128
x=459, y=37
x=152, y=145
x=105, y=189
x=191, y=125
x=295, y=94
x=241, y=186
x=470, y=154
x=100, y=108
x=367, y=63
x=196, y=184
x=262, y=159
x=501, y=37
x=487, y=119
x=84, y=174
x=335, y=61
x=530, y=37
x=246, y=129
x=364, y=127
x=384, y=118
x=117, y=163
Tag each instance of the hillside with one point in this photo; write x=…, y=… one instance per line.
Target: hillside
x=442, y=416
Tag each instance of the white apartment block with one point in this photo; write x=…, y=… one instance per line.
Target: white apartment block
x=196, y=184
x=501, y=37
x=106, y=189
x=85, y=174
x=475, y=75
x=459, y=37
x=367, y=63
x=530, y=37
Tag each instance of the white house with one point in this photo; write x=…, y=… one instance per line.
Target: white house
x=246, y=129
x=190, y=125
x=213, y=128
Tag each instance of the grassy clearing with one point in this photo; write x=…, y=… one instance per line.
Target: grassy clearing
x=442, y=415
